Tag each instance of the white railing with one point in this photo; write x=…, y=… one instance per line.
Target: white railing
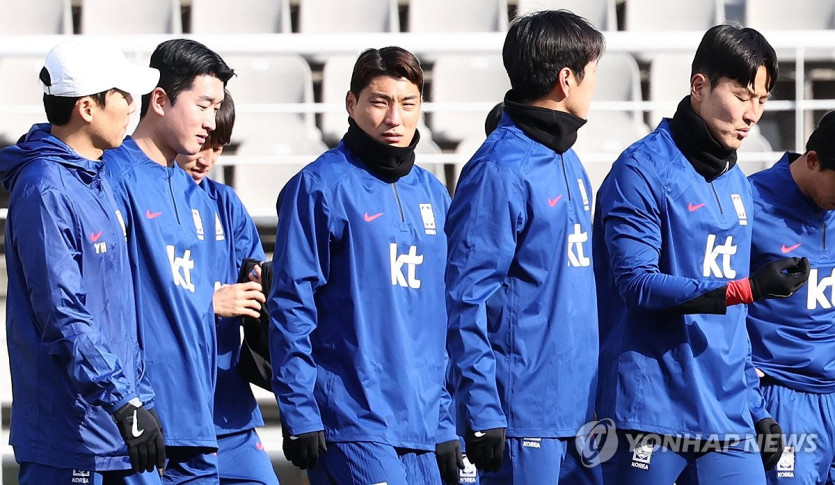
x=793, y=46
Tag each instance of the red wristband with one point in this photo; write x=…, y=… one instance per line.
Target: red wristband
x=739, y=291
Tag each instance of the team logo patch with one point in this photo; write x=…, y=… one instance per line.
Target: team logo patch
x=531, y=442
x=428, y=219
x=80, y=476
x=469, y=473
x=740, y=209
x=642, y=455
x=785, y=467
x=219, y=235
x=198, y=223
x=99, y=246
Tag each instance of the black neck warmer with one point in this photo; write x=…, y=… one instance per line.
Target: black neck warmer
x=385, y=161
x=556, y=130
x=708, y=156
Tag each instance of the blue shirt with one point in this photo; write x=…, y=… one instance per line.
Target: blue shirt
x=71, y=325
x=793, y=339
x=520, y=289
x=357, y=340
x=235, y=408
x=174, y=248
x=664, y=236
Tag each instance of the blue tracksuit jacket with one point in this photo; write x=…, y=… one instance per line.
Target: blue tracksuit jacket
x=174, y=246
x=793, y=339
x=664, y=236
x=235, y=407
x=522, y=321
x=357, y=341
x=71, y=319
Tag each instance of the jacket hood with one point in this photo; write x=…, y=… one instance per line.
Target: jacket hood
x=39, y=144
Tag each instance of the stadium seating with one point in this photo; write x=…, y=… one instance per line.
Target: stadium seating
x=465, y=79
x=672, y=15
x=427, y=16
x=124, y=17
x=35, y=17
x=21, y=102
x=618, y=79
x=765, y=15
x=262, y=81
x=240, y=16
x=669, y=81
x=601, y=13
x=336, y=80
x=327, y=16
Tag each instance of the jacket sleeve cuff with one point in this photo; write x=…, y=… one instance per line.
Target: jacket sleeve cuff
x=713, y=302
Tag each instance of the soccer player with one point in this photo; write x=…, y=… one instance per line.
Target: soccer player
x=358, y=331
x=672, y=235
x=175, y=241
x=82, y=405
x=522, y=319
x=241, y=458
x=793, y=339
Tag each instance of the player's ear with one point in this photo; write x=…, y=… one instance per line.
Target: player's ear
x=812, y=160
x=85, y=106
x=159, y=101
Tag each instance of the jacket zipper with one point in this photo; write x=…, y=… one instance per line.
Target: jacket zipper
x=399, y=206
x=823, y=233
x=717, y=198
x=565, y=177
x=173, y=199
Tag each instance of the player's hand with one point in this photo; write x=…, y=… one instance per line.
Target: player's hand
x=770, y=439
x=240, y=299
x=255, y=274
x=303, y=450
x=780, y=278
x=142, y=433
x=450, y=460
x=486, y=448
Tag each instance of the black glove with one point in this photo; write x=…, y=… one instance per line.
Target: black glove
x=303, y=450
x=770, y=439
x=771, y=281
x=450, y=460
x=142, y=433
x=485, y=448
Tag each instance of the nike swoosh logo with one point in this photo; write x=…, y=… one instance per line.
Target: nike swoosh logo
x=294, y=438
x=479, y=434
x=152, y=215
x=787, y=249
x=694, y=207
x=134, y=430
x=553, y=202
x=95, y=237
x=371, y=218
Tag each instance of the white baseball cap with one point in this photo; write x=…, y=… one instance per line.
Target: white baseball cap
x=81, y=67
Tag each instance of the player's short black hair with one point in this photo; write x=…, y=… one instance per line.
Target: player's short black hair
x=538, y=45
x=224, y=121
x=180, y=62
x=737, y=53
x=59, y=108
x=388, y=61
x=822, y=141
